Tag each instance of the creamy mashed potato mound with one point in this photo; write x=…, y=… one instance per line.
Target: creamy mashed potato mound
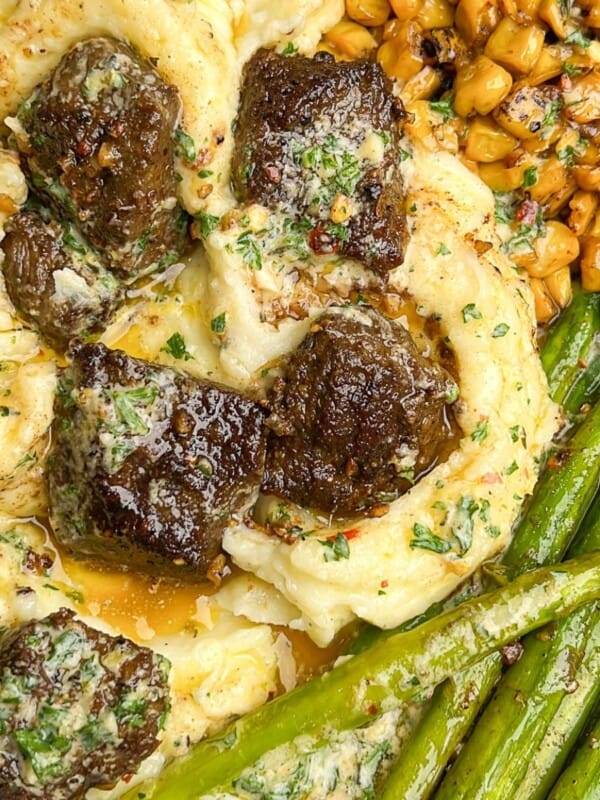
x=226, y=656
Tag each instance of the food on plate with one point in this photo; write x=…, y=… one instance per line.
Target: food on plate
x=319, y=140
x=57, y=283
x=97, y=140
x=358, y=416
x=148, y=464
x=78, y=708
x=268, y=349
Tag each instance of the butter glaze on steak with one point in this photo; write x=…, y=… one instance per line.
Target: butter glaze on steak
x=149, y=464
x=359, y=415
x=78, y=708
x=99, y=148
x=319, y=140
x=55, y=281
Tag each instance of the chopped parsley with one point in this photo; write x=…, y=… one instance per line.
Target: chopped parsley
x=186, y=147
x=176, y=347
x=470, y=311
x=205, y=224
x=289, y=49
x=481, y=432
x=335, y=549
x=442, y=250
x=218, y=323
x=425, y=539
x=500, y=330
x=445, y=107
x=248, y=247
x=529, y=177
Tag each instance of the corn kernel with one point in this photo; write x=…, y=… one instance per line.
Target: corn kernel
x=480, y=86
x=401, y=57
x=501, y=178
x=588, y=178
x=545, y=307
x=350, y=39
x=370, y=13
x=551, y=174
x=582, y=98
x=548, y=66
x=557, y=247
x=436, y=14
x=551, y=13
x=422, y=86
x=530, y=111
x=475, y=19
x=560, y=287
x=590, y=264
x=406, y=9
x=583, y=206
x=516, y=47
x=487, y=142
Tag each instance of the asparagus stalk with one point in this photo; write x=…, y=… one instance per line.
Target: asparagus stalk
x=390, y=673
x=524, y=732
x=576, y=706
x=581, y=779
x=569, y=342
x=559, y=504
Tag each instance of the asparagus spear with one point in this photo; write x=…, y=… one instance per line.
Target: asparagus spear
x=559, y=504
x=569, y=341
x=581, y=779
x=574, y=709
x=390, y=673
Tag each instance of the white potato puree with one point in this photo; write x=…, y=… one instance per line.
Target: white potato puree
x=228, y=658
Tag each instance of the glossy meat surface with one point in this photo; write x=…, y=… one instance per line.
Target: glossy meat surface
x=319, y=139
x=99, y=147
x=78, y=708
x=149, y=465
x=358, y=415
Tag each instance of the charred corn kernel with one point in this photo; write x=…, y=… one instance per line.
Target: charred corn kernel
x=588, y=178
x=557, y=247
x=401, y=57
x=590, y=263
x=560, y=199
x=368, y=12
x=501, y=178
x=480, y=86
x=391, y=28
x=592, y=18
x=530, y=111
x=582, y=97
x=448, y=46
x=550, y=12
x=436, y=14
x=560, y=287
x=594, y=229
x=323, y=47
x=406, y=9
x=583, y=206
x=551, y=175
x=487, y=142
x=476, y=18
x=424, y=85
x=549, y=65
x=515, y=47
x=545, y=307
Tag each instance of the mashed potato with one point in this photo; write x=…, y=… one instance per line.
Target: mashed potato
x=227, y=658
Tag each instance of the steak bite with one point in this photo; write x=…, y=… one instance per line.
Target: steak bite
x=359, y=415
x=78, y=708
x=54, y=281
x=149, y=464
x=97, y=144
x=319, y=140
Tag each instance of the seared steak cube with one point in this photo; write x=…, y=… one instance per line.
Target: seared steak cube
x=98, y=144
x=149, y=464
x=358, y=416
x=78, y=708
x=55, y=282
x=320, y=141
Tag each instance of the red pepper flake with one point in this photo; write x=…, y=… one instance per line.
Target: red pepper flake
x=384, y=584
x=127, y=777
x=321, y=242
x=491, y=477
x=527, y=212
x=373, y=710
x=350, y=534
